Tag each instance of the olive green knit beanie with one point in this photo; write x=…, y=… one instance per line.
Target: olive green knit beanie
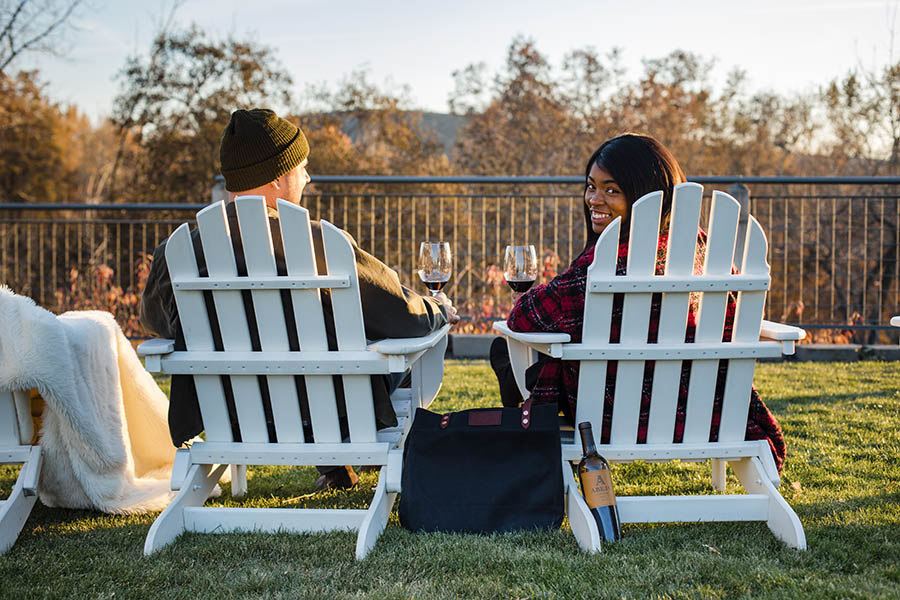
x=258, y=147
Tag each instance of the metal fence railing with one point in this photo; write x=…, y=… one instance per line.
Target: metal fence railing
x=833, y=243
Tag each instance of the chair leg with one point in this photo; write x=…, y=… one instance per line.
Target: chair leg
x=783, y=521
x=238, y=481
x=718, y=474
x=14, y=512
x=581, y=521
x=376, y=517
x=195, y=489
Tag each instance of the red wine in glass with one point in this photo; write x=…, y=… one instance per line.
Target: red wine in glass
x=520, y=286
x=435, y=265
x=435, y=285
x=520, y=267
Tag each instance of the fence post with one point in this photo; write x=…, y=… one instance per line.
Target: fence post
x=218, y=191
x=741, y=193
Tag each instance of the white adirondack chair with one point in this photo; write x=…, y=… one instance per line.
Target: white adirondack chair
x=197, y=469
x=895, y=321
x=16, y=431
x=751, y=460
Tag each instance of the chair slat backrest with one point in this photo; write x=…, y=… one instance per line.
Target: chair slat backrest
x=719, y=254
x=597, y=308
x=182, y=264
x=643, y=242
x=350, y=331
x=682, y=283
x=300, y=259
x=269, y=312
x=235, y=330
x=268, y=317
x=674, y=310
x=750, y=307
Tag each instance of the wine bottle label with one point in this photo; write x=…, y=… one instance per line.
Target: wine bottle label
x=597, y=488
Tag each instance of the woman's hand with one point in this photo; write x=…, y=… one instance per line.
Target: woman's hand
x=452, y=317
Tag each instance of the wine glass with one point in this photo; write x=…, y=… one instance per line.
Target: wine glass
x=520, y=267
x=435, y=265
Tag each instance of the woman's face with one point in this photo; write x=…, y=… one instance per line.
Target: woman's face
x=604, y=198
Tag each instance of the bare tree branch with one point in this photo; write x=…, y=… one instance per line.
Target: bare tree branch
x=36, y=31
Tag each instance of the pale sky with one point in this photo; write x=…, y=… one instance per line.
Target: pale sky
x=784, y=45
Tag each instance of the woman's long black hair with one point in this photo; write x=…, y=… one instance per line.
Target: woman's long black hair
x=640, y=164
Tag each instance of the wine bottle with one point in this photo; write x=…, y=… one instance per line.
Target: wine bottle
x=597, y=487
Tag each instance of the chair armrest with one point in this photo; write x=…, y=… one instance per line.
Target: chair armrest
x=780, y=332
x=786, y=334
x=409, y=345
x=521, y=346
x=156, y=346
x=541, y=338
x=895, y=321
x=152, y=351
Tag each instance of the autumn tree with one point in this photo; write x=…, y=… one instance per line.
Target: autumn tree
x=862, y=110
x=525, y=129
x=48, y=152
x=358, y=127
x=174, y=103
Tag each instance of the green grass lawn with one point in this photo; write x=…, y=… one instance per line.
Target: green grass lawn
x=842, y=476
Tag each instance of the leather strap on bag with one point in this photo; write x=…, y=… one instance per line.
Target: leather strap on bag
x=484, y=418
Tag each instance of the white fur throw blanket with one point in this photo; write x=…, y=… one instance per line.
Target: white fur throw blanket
x=104, y=436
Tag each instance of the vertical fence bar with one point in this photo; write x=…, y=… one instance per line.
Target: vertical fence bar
x=28, y=237
x=413, y=265
x=41, y=259
x=818, y=241
x=849, y=255
x=833, y=255
x=441, y=236
x=865, y=262
x=802, y=246
x=400, y=236
x=542, y=203
x=54, y=257
x=458, y=285
x=496, y=226
x=556, y=226
x=359, y=219
x=427, y=219
x=387, y=236
x=483, y=233
x=118, y=262
x=881, y=265
x=784, y=262
x=469, y=249
x=528, y=205
x=371, y=202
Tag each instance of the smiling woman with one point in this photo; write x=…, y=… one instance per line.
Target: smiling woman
x=618, y=174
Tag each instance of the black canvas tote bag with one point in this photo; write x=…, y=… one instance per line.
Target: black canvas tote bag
x=483, y=470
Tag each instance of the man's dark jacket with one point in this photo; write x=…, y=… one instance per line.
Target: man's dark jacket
x=390, y=310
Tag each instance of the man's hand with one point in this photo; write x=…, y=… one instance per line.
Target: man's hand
x=452, y=317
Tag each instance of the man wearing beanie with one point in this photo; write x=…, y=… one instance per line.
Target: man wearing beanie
x=262, y=154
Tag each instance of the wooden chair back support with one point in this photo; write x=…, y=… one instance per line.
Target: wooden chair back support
x=304, y=284
x=710, y=286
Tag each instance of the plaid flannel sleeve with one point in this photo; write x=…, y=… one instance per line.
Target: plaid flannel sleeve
x=557, y=305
